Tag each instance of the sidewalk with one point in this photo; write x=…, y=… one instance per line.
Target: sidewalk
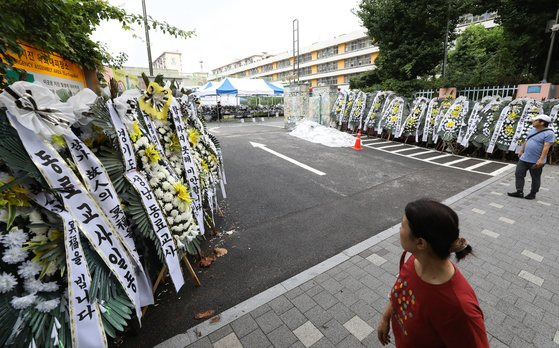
x=338, y=303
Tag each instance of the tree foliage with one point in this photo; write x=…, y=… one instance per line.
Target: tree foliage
x=410, y=34
x=480, y=57
x=65, y=26
x=524, y=24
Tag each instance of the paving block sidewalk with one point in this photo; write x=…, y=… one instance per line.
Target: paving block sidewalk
x=514, y=273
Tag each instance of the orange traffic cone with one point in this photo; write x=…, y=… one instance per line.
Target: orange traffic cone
x=357, y=145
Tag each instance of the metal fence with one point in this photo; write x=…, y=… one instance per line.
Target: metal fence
x=477, y=93
x=427, y=93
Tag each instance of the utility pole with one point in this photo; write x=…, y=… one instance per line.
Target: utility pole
x=446, y=41
x=146, y=26
x=296, y=49
x=553, y=31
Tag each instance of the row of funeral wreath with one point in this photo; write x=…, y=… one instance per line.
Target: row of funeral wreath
x=492, y=123
x=89, y=188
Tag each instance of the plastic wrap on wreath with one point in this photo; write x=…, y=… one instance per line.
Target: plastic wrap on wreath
x=391, y=119
x=415, y=119
x=452, y=121
x=356, y=114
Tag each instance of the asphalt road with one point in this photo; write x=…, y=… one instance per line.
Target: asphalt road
x=286, y=219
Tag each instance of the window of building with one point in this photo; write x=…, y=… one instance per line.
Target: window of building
x=358, y=61
x=328, y=52
x=284, y=63
x=330, y=66
x=325, y=81
x=267, y=67
x=305, y=71
x=359, y=44
x=305, y=58
x=253, y=71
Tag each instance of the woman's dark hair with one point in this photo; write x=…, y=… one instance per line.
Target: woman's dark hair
x=437, y=224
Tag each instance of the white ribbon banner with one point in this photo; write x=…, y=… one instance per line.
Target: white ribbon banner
x=101, y=188
x=497, y=129
x=428, y=117
x=83, y=209
x=153, y=209
x=85, y=319
x=189, y=167
x=520, y=126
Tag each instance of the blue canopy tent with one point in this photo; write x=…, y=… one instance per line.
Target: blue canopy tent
x=277, y=90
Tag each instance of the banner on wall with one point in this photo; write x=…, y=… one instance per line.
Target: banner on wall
x=50, y=70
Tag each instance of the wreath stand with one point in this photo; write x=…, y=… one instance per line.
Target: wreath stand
x=163, y=274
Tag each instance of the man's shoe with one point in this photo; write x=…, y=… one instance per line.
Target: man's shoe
x=516, y=194
x=530, y=196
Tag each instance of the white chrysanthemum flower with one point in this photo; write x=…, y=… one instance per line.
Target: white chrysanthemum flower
x=14, y=255
x=165, y=171
x=166, y=185
x=15, y=238
x=174, y=213
x=162, y=130
x=168, y=207
x=154, y=182
x=34, y=285
x=144, y=159
x=167, y=138
x=47, y=306
x=23, y=302
x=161, y=175
x=159, y=193
x=7, y=282
x=178, y=218
x=29, y=269
x=168, y=197
x=170, y=220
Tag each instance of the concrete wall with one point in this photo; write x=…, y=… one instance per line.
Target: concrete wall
x=299, y=105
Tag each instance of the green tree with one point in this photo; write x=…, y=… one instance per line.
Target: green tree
x=480, y=57
x=65, y=26
x=410, y=34
x=524, y=23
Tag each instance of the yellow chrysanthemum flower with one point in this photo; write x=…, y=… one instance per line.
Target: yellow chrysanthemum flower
x=152, y=153
x=455, y=113
x=450, y=124
x=205, y=166
x=509, y=130
x=156, y=101
x=58, y=140
x=182, y=192
x=193, y=136
x=15, y=196
x=135, y=133
x=513, y=116
x=435, y=112
x=393, y=119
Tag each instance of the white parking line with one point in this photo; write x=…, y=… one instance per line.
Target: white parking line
x=477, y=165
x=388, y=146
x=419, y=153
x=436, y=157
x=457, y=161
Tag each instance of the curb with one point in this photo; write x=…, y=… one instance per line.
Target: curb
x=226, y=317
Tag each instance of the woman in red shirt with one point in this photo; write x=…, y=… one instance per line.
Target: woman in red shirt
x=431, y=303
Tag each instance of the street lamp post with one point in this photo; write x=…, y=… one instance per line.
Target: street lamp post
x=146, y=26
x=553, y=31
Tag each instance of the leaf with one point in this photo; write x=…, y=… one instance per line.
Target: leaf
x=207, y=261
x=204, y=314
x=219, y=252
x=215, y=319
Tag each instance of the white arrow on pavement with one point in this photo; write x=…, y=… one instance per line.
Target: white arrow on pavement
x=263, y=147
